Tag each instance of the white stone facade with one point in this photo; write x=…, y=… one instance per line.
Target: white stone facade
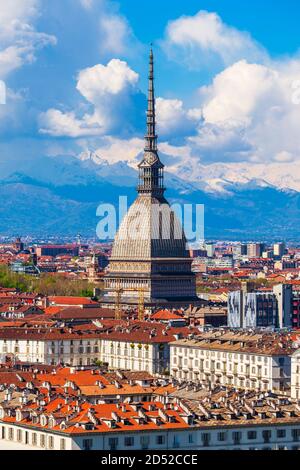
x=259, y=437
x=152, y=357
x=240, y=369
x=295, y=379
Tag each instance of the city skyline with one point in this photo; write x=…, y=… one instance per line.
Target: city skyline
x=149, y=228
x=73, y=122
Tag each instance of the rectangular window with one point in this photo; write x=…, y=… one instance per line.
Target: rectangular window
x=113, y=443
x=205, y=439
x=281, y=433
x=51, y=442
x=267, y=436
x=62, y=444
x=19, y=435
x=42, y=440
x=145, y=441
x=10, y=434
x=236, y=436
x=221, y=436
x=34, y=439
x=252, y=435
x=160, y=440
x=296, y=434
x=87, y=444
x=129, y=441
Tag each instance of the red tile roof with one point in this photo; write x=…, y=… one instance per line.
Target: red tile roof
x=63, y=300
x=116, y=330
x=53, y=310
x=165, y=315
x=156, y=416
x=77, y=313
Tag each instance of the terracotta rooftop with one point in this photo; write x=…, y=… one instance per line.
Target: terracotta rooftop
x=117, y=330
x=77, y=417
x=63, y=300
x=76, y=313
x=165, y=315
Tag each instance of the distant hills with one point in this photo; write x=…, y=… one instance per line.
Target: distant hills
x=59, y=196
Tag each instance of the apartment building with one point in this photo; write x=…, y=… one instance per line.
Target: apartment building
x=296, y=309
x=50, y=345
x=253, y=309
x=245, y=360
x=279, y=249
x=221, y=420
x=121, y=345
x=66, y=424
x=254, y=250
x=295, y=378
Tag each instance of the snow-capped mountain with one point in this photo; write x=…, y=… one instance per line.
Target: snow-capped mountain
x=54, y=195
x=116, y=173
x=217, y=177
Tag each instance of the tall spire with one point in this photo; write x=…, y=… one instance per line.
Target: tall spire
x=151, y=137
x=151, y=170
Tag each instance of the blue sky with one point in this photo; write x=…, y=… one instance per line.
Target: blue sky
x=227, y=72
x=274, y=23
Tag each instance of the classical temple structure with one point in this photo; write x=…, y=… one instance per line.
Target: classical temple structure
x=150, y=254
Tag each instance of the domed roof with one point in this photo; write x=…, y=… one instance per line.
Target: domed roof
x=149, y=230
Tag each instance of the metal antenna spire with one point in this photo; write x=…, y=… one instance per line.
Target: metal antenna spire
x=151, y=170
x=151, y=137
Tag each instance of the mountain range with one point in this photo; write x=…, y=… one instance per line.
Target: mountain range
x=60, y=195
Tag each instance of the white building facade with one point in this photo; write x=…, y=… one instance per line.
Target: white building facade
x=151, y=356
x=242, y=369
x=259, y=437
x=295, y=378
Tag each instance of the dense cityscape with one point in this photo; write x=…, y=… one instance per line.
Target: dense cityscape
x=171, y=323
x=145, y=343
x=222, y=374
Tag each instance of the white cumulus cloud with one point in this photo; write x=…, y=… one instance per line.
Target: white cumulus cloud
x=204, y=38
x=238, y=92
x=59, y=124
x=252, y=103
x=103, y=80
x=19, y=40
x=174, y=119
x=109, y=89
